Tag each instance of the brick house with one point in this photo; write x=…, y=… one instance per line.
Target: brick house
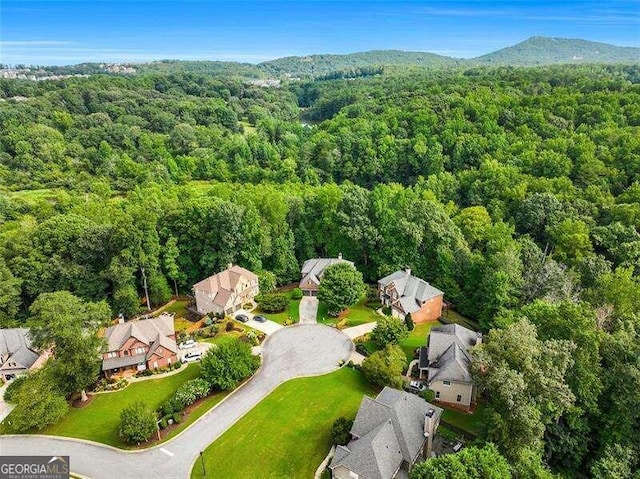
x=313, y=270
x=140, y=344
x=226, y=291
x=405, y=293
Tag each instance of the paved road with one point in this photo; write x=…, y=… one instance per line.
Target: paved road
x=301, y=350
x=308, y=310
x=268, y=327
x=361, y=330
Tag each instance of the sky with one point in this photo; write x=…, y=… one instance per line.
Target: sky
x=68, y=32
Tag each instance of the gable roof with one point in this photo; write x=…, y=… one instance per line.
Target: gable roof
x=15, y=345
x=221, y=285
x=387, y=431
x=313, y=269
x=152, y=331
x=412, y=290
x=448, y=356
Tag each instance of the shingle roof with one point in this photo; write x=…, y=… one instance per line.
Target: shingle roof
x=387, y=430
x=145, y=330
x=313, y=269
x=448, y=356
x=123, y=361
x=15, y=346
x=412, y=290
x=222, y=284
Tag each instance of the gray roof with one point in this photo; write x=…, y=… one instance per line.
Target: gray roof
x=387, y=431
x=15, y=347
x=313, y=269
x=146, y=331
x=123, y=361
x=448, y=356
x=412, y=290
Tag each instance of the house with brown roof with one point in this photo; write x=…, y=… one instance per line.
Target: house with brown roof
x=404, y=293
x=313, y=270
x=226, y=291
x=390, y=433
x=140, y=344
x=17, y=355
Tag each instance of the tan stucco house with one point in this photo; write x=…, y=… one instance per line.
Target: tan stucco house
x=389, y=435
x=140, y=344
x=445, y=364
x=17, y=355
x=404, y=293
x=226, y=291
x=313, y=270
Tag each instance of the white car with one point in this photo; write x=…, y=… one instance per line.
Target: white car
x=192, y=357
x=416, y=387
x=188, y=344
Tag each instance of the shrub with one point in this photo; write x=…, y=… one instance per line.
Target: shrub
x=229, y=326
x=208, y=321
x=361, y=348
x=386, y=311
x=163, y=423
x=137, y=423
x=340, y=431
x=389, y=331
x=177, y=417
x=13, y=387
x=408, y=322
x=252, y=338
x=372, y=294
x=385, y=367
x=228, y=364
x=190, y=392
x=272, y=303
x=296, y=293
x=428, y=395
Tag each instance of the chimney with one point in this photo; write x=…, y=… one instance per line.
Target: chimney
x=478, y=338
x=408, y=271
x=428, y=431
x=229, y=265
x=339, y=255
x=120, y=318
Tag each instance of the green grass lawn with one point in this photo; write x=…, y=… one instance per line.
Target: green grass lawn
x=287, y=434
x=463, y=420
x=99, y=420
x=355, y=315
x=292, y=312
x=417, y=338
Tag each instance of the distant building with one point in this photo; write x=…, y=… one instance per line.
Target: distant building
x=389, y=435
x=405, y=293
x=445, y=363
x=140, y=344
x=17, y=355
x=313, y=270
x=226, y=291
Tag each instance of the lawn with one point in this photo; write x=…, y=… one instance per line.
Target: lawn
x=100, y=419
x=354, y=315
x=292, y=312
x=416, y=339
x=287, y=434
x=469, y=422
x=179, y=310
x=223, y=336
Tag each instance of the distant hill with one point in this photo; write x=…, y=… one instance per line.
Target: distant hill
x=317, y=65
x=548, y=51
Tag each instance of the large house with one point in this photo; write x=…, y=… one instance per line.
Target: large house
x=405, y=293
x=313, y=270
x=140, y=344
x=389, y=435
x=226, y=291
x=445, y=363
x=17, y=356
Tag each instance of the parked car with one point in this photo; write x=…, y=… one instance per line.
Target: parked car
x=243, y=318
x=192, y=357
x=188, y=344
x=416, y=387
x=259, y=318
x=457, y=446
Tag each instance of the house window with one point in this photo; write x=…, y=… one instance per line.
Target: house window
x=437, y=394
x=126, y=352
x=446, y=383
x=168, y=360
x=111, y=354
x=459, y=397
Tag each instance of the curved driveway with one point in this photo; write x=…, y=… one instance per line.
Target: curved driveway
x=302, y=350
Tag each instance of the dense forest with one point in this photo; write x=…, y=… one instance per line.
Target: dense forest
x=516, y=191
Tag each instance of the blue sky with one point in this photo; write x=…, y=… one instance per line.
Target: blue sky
x=67, y=32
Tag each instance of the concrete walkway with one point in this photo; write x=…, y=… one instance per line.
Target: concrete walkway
x=361, y=330
x=5, y=407
x=300, y=350
x=308, y=310
x=268, y=327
